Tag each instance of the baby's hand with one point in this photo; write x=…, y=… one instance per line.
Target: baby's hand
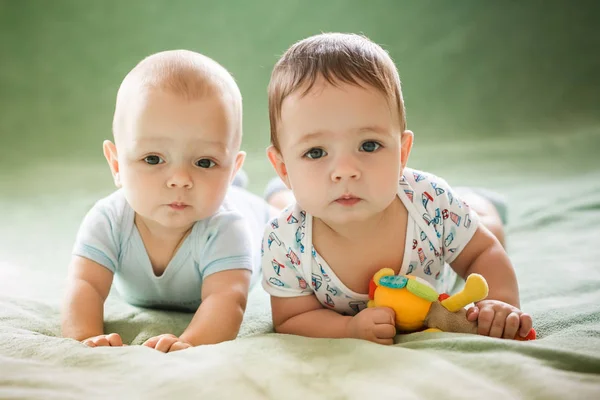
x=112, y=339
x=375, y=324
x=167, y=343
x=500, y=320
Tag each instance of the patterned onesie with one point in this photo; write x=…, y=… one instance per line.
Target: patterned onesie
x=439, y=227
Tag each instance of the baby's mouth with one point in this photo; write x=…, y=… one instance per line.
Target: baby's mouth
x=177, y=205
x=347, y=200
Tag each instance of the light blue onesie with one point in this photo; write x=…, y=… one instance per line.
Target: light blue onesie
x=230, y=239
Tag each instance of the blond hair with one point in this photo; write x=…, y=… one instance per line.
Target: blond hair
x=183, y=73
x=336, y=57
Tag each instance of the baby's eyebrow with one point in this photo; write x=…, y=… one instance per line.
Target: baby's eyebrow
x=374, y=129
x=216, y=145
x=370, y=129
x=310, y=136
x=151, y=139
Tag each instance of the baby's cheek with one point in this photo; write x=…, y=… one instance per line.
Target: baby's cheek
x=210, y=195
x=141, y=204
x=312, y=204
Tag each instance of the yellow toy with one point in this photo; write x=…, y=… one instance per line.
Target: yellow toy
x=419, y=307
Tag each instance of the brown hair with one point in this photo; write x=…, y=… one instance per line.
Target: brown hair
x=337, y=57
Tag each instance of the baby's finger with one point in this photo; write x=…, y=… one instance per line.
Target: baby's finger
x=484, y=321
x=385, y=342
x=151, y=342
x=472, y=314
x=384, y=331
x=101, y=341
x=114, y=339
x=526, y=324
x=511, y=326
x=179, y=346
x=165, y=343
x=498, y=323
x=384, y=315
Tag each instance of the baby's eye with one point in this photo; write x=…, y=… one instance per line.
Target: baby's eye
x=153, y=160
x=370, y=146
x=205, y=163
x=315, y=153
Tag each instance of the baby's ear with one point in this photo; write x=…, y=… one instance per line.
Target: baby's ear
x=110, y=153
x=278, y=164
x=405, y=147
x=239, y=162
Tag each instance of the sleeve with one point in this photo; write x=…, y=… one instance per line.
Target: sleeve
x=97, y=237
x=281, y=262
x=459, y=222
x=228, y=245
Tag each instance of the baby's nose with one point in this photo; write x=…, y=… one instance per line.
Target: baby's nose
x=346, y=168
x=180, y=179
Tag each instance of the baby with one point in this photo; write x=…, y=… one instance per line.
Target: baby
x=340, y=143
x=175, y=235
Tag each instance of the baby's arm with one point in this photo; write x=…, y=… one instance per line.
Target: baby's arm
x=224, y=297
x=88, y=286
x=485, y=255
x=304, y=315
x=499, y=315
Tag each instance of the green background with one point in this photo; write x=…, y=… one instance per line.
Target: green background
x=490, y=86
x=474, y=68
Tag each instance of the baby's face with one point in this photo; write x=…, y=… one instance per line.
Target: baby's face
x=341, y=146
x=177, y=156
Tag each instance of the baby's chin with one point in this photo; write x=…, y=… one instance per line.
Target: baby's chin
x=340, y=215
x=169, y=215
x=363, y=211
x=175, y=223
x=166, y=218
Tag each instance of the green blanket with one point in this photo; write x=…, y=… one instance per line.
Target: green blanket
x=553, y=187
